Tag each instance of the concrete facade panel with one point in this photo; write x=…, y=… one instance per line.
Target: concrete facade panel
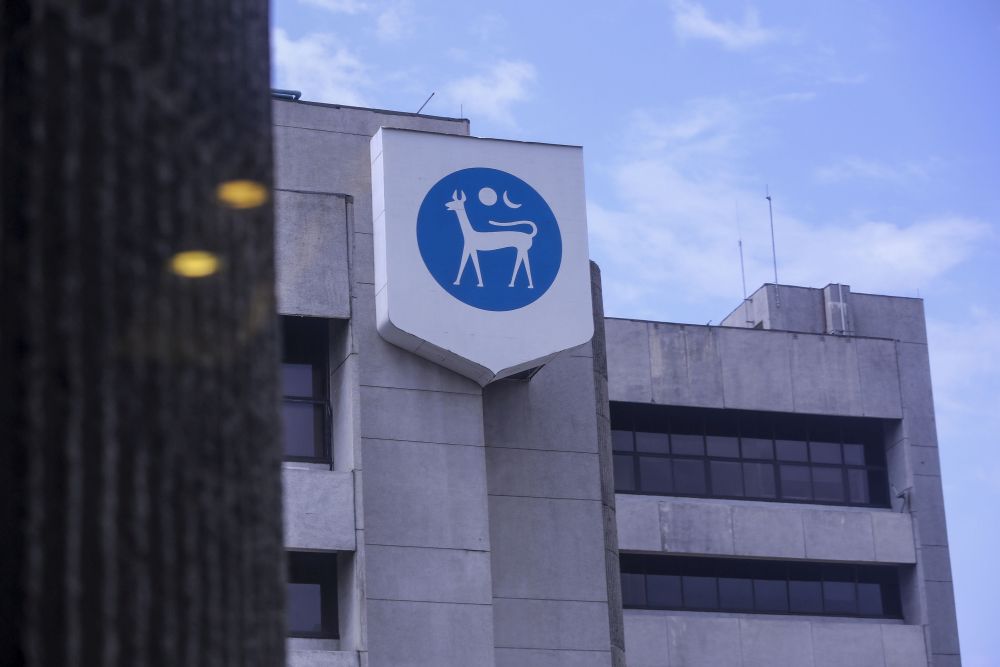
x=893, y=532
x=684, y=365
x=550, y=624
x=312, y=658
x=919, y=425
x=768, y=531
x=425, y=416
x=696, y=528
x=927, y=503
x=646, y=643
x=903, y=646
x=825, y=376
x=854, y=644
x=638, y=522
x=878, y=374
x=668, y=364
x=768, y=643
x=311, y=254
x=756, y=369
x=428, y=575
x=836, y=535
x=547, y=549
x=319, y=509
x=429, y=634
x=516, y=657
x=941, y=617
x=893, y=317
x=521, y=414
x=542, y=474
x=703, y=641
x=628, y=361
x=421, y=494
x=704, y=370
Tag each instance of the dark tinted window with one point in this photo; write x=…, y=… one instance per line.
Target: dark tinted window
x=805, y=597
x=699, y=593
x=735, y=594
x=727, y=478
x=758, y=480
x=756, y=455
x=311, y=596
x=656, y=474
x=304, y=385
x=759, y=585
x=689, y=477
x=622, y=441
x=624, y=473
x=633, y=590
x=658, y=443
x=796, y=482
x=663, y=590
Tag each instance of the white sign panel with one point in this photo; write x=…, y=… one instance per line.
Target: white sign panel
x=481, y=259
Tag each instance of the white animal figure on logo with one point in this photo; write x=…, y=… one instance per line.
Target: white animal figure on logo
x=475, y=241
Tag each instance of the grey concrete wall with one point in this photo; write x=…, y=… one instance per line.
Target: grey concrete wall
x=550, y=586
x=665, y=639
x=882, y=371
x=312, y=253
x=319, y=509
x=410, y=432
x=751, y=369
x=655, y=524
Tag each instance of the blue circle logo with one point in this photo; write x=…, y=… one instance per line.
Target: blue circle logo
x=489, y=239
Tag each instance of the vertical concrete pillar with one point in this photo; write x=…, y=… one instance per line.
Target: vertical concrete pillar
x=548, y=505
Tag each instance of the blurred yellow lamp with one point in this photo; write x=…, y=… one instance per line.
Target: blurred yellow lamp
x=241, y=194
x=194, y=263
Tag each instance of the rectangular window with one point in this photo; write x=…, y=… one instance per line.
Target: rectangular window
x=667, y=450
x=311, y=600
x=759, y=586
x=305, y=408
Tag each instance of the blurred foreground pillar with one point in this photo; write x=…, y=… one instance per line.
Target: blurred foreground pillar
x=139, y=452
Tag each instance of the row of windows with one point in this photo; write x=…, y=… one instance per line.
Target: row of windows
x=739, y=454
x=759, y=586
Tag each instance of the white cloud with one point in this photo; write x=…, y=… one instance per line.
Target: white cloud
x=858, y=168
x=320, y=66
x=395, y=22
x=492, y=94
x=672, y=230
x=965, y=364
x=339, y=6
x=691, y=20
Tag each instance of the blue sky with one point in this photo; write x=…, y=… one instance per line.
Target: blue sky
x=875, y=125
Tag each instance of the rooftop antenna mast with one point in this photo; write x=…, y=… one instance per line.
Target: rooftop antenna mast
x=774, y=253
x=743, y=272
x=426, y=101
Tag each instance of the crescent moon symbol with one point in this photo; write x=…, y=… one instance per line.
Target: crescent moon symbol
x=506, y=200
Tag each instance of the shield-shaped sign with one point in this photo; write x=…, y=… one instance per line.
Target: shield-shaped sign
x=481, y=259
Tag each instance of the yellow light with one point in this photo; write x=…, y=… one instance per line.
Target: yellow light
x=194, y=263
x=241, y=194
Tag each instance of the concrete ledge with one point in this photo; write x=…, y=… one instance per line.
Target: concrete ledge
x=319, y=509
x=310, y=658
x=749, y=369
x=654, y=524
x=668, y=639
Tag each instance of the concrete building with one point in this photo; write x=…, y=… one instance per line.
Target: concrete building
x=763, y=492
